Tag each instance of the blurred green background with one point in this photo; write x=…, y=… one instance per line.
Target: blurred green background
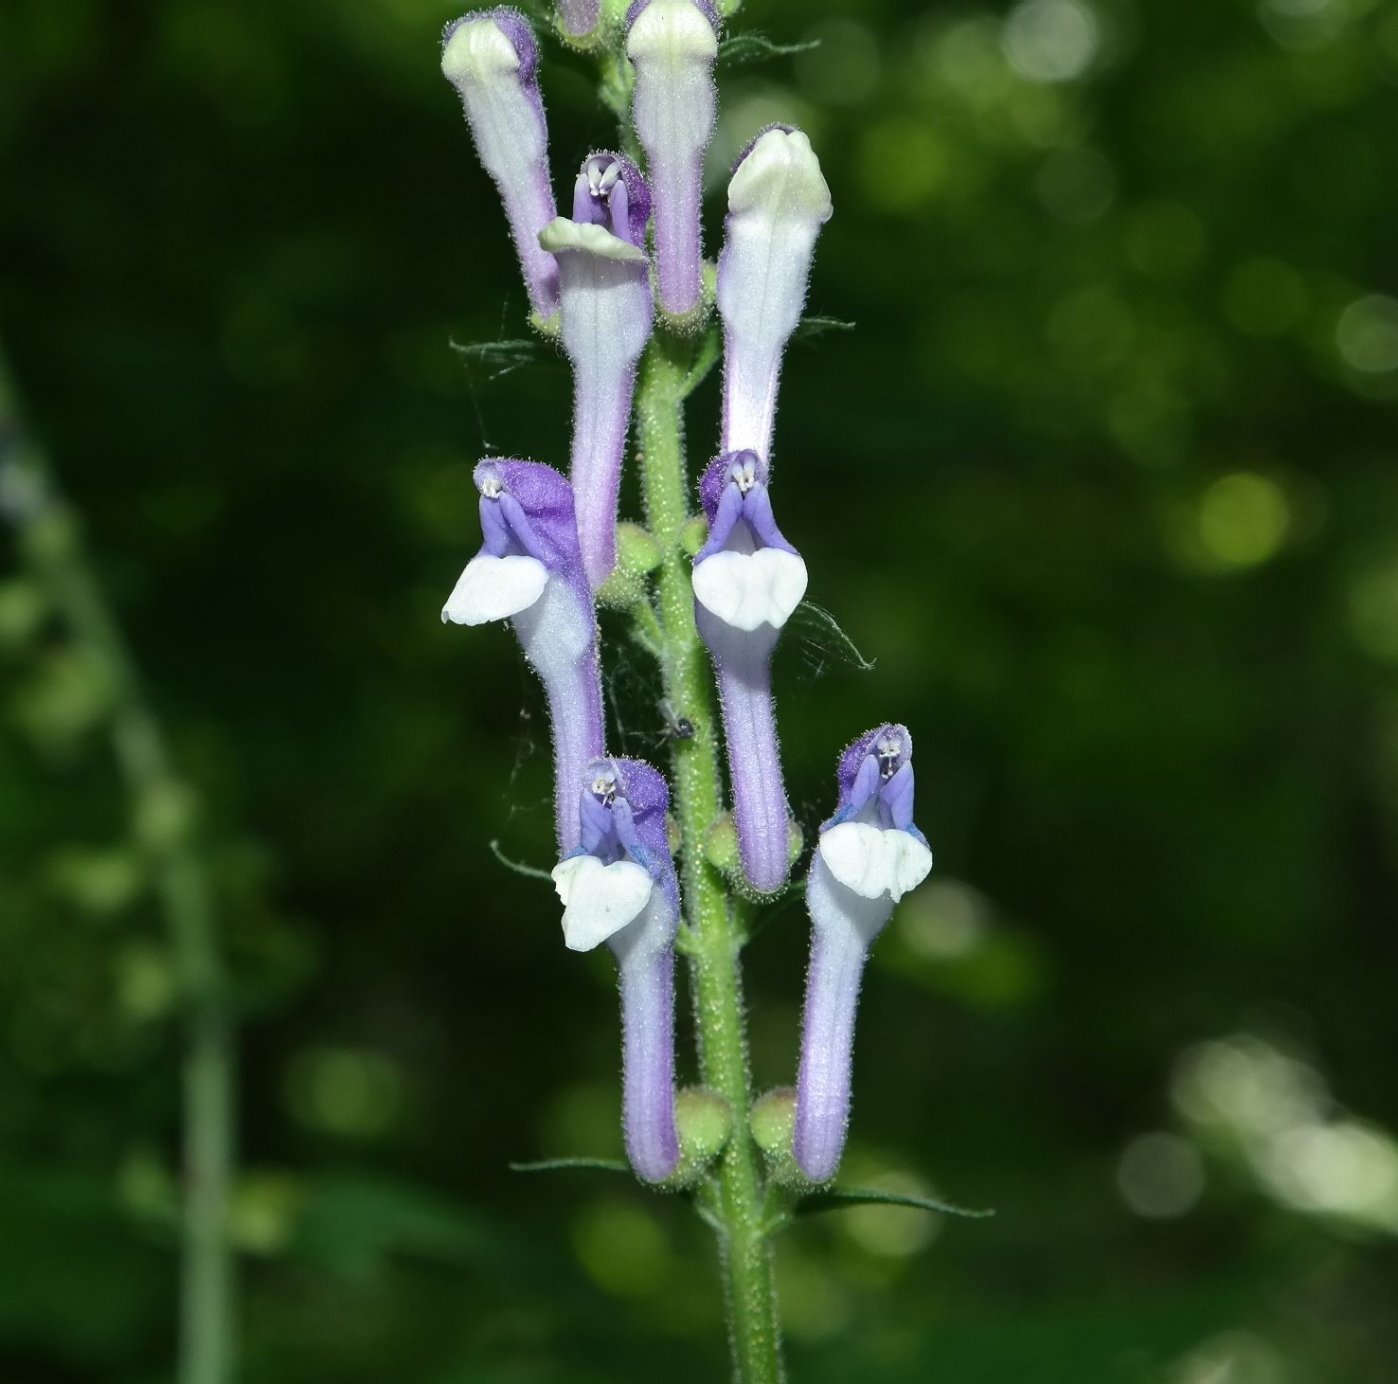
x=1104, y=478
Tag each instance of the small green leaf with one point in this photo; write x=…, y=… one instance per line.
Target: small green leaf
x=839, y=1198
x=808, y=328
x=518, y=867
x=754, y=47
x=559, y=1165
x=821, y=640
x=499, y=358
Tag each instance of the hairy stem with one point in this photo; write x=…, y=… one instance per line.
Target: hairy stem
x=736, y=1192
x=160, y=809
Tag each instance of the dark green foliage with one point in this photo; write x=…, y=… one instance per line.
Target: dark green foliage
x=1106, y=481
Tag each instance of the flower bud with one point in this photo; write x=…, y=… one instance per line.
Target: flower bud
x=578, y=18
x=777, y=203
x=672, y=45
x=491, y=58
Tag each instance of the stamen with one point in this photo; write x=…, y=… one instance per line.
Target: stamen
x=744, y=475
x=604, y=789
x=602, y=175
x=889, y=751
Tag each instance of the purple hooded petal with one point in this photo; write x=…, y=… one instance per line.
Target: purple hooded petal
x=610, y=191
x=876, y=781
x=777, y=203
x=673, y=44
x=747, y=581
x=491, y=58
x=529, y=570
x=869, y=854
x=606, y=322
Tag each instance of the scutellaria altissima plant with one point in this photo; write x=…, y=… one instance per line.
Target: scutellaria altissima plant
x=651, y=868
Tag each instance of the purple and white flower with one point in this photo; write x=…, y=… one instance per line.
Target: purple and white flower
x=777, y=203
x=869, y=855
x=529, y=571
x=747, y=582
x=606, y=321
x=672, y=45
x=619, y=887
x=492, y=59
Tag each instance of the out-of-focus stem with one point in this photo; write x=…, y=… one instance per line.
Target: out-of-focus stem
x=735, y=1194
x=51, y=542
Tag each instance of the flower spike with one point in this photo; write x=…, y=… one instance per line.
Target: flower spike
x=606, y=322
x=869, y=855
x=747, y=582
x=529, y=571
x=491, y=58
x=672, y=45
x=777, y=203
x=619, y=887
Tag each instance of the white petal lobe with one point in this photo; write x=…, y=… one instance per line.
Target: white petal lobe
x=747, y=590
x=494, y=588
x=873, y=861
x=599, y=900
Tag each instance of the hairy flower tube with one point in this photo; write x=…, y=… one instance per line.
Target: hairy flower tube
x=619, y=887
x=869, y=855
x=672, y=45
x=747, y=581
x=492, y=59
x=606, y=322
x=777, y=203
x=529, y=571
x=578, y=18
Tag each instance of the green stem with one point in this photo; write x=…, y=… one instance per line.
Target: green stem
x=713, y=940
x=161, y=813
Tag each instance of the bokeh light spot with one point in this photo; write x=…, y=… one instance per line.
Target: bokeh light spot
x=622, y=1249
x=1366, y=334
x=1243, y=519
x=1235, y=1357
x=892, y=1232
x=1343, y=1169
x=1160, y=1175
x=1265, y=297
x=352, y=1092
x=903, y=163
x=1050, y=40
x=944, y=920
x=1076, y=185
x=1372, y=611
x=1165, y=239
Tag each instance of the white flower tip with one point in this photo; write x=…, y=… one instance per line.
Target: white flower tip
x=747, y=590
x=495, y=588
x=477, y=53
x=599, y=900
x=873, y=861
x=564, y=234
x=674, y=33
x=781, y=176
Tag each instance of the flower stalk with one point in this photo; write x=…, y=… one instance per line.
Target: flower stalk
x=162, y=821
x=734, y=1196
